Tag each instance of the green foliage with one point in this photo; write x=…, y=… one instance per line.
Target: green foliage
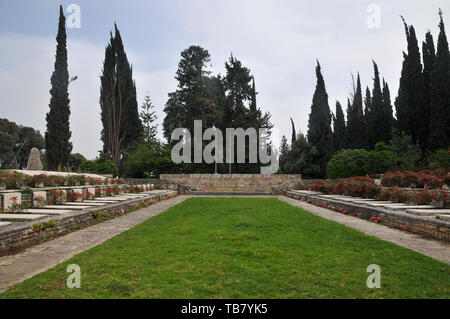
x=320, y=135
x=101, y=165
x=300, y=159
x=408, y=153
x=148, y=118
x=119, y=109
x=57, y=136
x=347, y=163
x=356, y=130
x=148, y=160
x=16, y=142
x=440, y=93
x=440, y=159
x=380, y=160
x=339, y=129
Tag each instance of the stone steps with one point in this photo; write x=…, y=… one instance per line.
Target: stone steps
x=203, y=193
x=20, y=217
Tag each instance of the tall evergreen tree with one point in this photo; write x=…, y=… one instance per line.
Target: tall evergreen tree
x=119, y=109
x=356, y=131
x=440, y=93
x=320, y=135
x=402, y=100
x=148, y=118
x=294, y=134
x=413, y=99
x=339, y=129
x=387, y=113
x=370, y=125
x=428, y=56
x=57, y=137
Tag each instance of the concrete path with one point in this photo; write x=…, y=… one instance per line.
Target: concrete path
x=16, y=268
x=432, y=248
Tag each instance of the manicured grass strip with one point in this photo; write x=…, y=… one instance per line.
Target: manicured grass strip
x=241, y=248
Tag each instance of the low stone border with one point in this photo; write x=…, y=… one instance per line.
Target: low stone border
x=18, y=236
x=426, y=227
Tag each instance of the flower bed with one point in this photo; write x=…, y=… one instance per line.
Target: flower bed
x=365, y=187
x=16, y=180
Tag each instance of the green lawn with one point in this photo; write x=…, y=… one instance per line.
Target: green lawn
x=241, y=248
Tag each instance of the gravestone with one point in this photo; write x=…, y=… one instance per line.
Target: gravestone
x=34, y=161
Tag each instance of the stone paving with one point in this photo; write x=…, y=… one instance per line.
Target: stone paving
x=15, y=269
x=432, y=248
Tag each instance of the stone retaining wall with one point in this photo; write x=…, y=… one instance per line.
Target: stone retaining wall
x=251, y=183
x=424, y=226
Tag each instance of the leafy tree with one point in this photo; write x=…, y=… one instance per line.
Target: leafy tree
x=302, y=159
x=408, y=153
x=347, y=163
x=119, y=110
x=283, y=151
x=148, y=160
x=380, y=160
x=440, y=93
x=75, y=160
x=388, y=119
x=16, y=142
x=101, y=165
x=57, y=136
x=320, y=135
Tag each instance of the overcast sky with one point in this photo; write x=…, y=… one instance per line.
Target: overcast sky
x=278, y=40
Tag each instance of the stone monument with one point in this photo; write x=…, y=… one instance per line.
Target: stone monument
x=34, y=161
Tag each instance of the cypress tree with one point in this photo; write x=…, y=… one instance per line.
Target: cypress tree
x=440, y=93
x=402, y=100
x=57, y=136
x=339, y=129
x=429, y=56
x=294, y=134
x=356, y=131
x=319, y=134
x=369, y=119
x=122, y=126
x=387, y=113
x=412, y=94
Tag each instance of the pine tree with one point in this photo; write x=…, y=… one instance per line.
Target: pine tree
x=339, y=129
x=122, y=127
x=57, y=136
x=320, y=135
x=356, y=131
x=440, y=93
x=148, y=117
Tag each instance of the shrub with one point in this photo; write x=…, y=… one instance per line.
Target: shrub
x=347, y=163
x=440, y=159
x=380, y=160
